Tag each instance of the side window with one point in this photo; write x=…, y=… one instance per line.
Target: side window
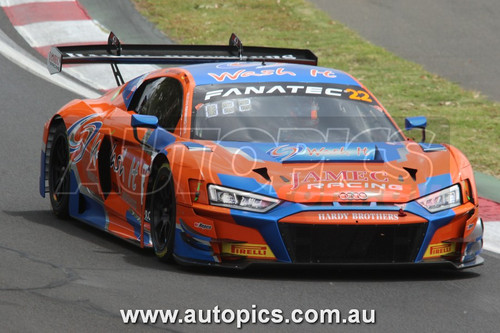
x=162, y=98
x=145, y=92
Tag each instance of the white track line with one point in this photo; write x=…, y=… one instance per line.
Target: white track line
x=18, y=56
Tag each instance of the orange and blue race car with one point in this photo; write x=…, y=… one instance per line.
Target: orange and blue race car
x=237, y=155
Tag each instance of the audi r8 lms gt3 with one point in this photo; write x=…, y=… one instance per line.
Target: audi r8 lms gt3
x=234, y=156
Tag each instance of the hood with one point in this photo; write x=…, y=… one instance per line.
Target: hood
x=330, y=172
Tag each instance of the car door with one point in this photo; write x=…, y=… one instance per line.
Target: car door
x=130, y=160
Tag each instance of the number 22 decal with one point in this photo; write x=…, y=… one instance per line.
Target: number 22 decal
x=359, y=95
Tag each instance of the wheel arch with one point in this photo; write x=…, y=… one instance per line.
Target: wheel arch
x=49, y=131
x=156, y=164
x=158, y=161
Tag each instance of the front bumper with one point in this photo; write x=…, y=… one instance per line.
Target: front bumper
x=452, y=238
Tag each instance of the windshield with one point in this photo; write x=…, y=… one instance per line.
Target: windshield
x=289, y=112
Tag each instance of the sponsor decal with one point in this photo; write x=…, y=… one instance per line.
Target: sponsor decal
x=285, y=152
x=440, y=249
x=324, y=151
x=352, y=217
x=348, y=179
x=360, y=217
x=133, y=172
x=238, y=90
x=314, y=152
x=145, y=171
x=94, y=152
x=131, y=87
x=276, y=90
x=117, y=161
x=54, y=61
x=248, y=250
x=246, y=73
x=358, y=95
x=326, y=73
x=81, y=134
x=202, y=226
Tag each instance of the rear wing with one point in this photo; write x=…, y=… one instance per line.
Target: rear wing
x=114, y=53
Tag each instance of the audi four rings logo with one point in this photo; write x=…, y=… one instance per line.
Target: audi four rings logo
x=353, y=196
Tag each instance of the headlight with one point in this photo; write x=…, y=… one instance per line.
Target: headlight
x=445, y=199
x=228, y=197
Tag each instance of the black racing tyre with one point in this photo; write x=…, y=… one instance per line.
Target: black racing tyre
x=59, y=168
x=162, y=214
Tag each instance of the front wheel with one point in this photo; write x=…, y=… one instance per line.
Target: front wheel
x=162, y=218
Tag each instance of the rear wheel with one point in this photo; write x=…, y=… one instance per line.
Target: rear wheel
x=162, y=210
x=59, y=167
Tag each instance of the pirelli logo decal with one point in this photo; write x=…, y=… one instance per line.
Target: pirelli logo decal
x=248, y=250
x=440, y=249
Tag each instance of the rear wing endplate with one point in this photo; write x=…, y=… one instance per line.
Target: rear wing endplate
x=115, y=53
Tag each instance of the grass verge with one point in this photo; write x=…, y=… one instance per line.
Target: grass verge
x=466, y=119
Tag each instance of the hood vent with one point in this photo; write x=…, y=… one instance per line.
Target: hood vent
x=263, y=172
x=412, y=172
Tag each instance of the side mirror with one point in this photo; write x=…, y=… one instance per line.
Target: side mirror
x=144, y=121
x=416, y=122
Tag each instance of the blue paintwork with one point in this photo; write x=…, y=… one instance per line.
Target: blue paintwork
x=183, y=249
x=430, y=147
x=267, y=225
x=251, y=72
x=129, y=90
x=415, y=122
x=135, y=223
x=247, y=184
x=94, y=213
x=160, y=139
x=433, y=184
x=195, y=145
x=192, y=233
x=436, y=221
x=143, y=120
x=311, y=152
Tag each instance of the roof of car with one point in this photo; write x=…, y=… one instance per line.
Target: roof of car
x=251, y=72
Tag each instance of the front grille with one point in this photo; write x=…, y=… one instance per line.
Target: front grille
x=314, y=243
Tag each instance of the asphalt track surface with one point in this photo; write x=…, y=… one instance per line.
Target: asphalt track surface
x=65, y=276
x=457, y=39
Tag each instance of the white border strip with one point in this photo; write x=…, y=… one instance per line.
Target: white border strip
x=9, y=3
x=492, y=236
x=62, y=32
